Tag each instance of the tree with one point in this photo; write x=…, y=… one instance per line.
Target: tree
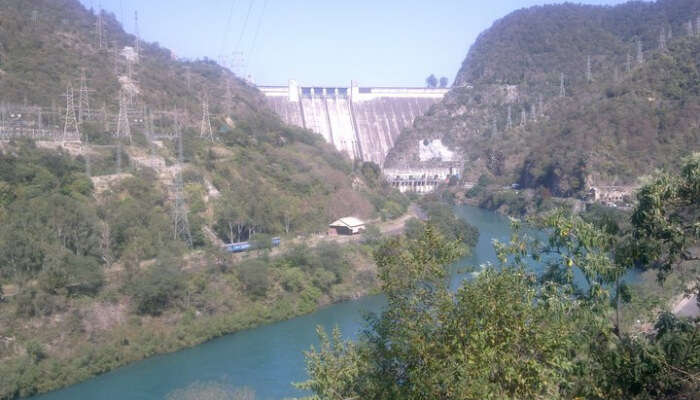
x=667, y=219
x=498, y=337
x=505, y=334
x=431, y=81
x=229, y=218
x=444, y=82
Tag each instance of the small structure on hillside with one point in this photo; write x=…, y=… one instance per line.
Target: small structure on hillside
x=611, y=195
x=346, y=226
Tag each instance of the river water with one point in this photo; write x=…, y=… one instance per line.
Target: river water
x=269, y=358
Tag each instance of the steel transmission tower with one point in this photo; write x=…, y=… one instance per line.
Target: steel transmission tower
x=136, y=33
x=662, y=39
x=83, y=99
x=629, y=62
x=70, y=126
x=151, y=133
x=205, y=127
x=180, y=219
x=99, y=29
x=123, y=128
x=562, y=89
x=589, y=74
x=509, y=121
x=640, y=52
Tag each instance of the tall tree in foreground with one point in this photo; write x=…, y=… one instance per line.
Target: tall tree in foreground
x=508, y=335
x=498, y=337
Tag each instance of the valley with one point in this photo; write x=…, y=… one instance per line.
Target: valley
x=171, y=229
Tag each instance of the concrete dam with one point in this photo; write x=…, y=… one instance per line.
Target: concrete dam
x=363, y=122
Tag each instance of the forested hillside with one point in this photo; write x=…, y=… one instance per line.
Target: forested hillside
x=619, y=114
x=93, y=273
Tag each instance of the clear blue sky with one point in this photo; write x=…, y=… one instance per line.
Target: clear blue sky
x=322, y=42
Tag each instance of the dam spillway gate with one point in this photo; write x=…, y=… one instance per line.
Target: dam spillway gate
x=363, y=122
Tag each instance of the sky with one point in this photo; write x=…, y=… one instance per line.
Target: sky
x=321, y=42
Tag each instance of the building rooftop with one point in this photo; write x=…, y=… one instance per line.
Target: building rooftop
x=350, y=222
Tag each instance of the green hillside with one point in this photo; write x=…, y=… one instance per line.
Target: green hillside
x=92, y=275
x=619, y=125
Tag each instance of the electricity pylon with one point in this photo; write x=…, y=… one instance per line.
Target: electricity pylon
x=136, y=33
x=562, y=89
x=205, y=127
x=180, y=220
x=640, y=52
x=123, y=128
x=70, y=126
x=83, y=99
x=509, y=121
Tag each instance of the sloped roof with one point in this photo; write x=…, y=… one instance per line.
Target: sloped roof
x=350, y=222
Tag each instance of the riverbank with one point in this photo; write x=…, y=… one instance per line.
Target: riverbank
x=73, y=339
x=270, y=357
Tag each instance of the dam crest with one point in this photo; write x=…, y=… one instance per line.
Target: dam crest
x=363, y=122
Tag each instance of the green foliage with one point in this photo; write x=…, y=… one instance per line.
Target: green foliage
x=611, y=130
x=442, y=217
x=498, y=337
x=137, y=218
x=372, y=235
x=506, y=335
x=666, y=218
x=254, y=275
x=155, y=290
x=50, y=225
x=35, y=351
x=260, y=178
x=662, y=367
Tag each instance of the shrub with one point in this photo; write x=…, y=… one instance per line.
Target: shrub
x=35, y=351
x=254, y=275
x=293, y=279
x=157, y=289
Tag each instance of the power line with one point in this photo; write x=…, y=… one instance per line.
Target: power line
x=245, y=24
x=227, y=27
x=257, y=31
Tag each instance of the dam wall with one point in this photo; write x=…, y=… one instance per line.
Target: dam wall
x=363, y=122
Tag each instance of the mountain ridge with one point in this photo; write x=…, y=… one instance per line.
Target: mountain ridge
x=517, y=65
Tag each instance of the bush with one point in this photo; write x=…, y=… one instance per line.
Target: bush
x=35, y=351
x=372, y=235
x=254, y=275
x=157, y=289
x=293, y=279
